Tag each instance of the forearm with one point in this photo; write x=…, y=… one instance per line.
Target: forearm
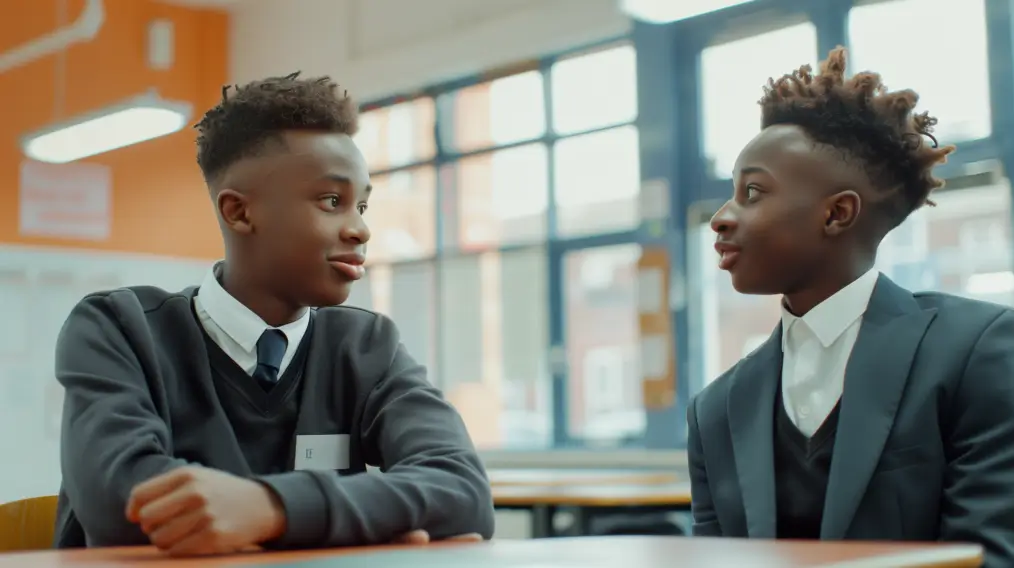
x=447, y=496
x=112, y=437
x=98, y=486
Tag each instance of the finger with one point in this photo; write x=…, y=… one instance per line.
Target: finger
x=174, y=531
x=154, y=488
x=168, y=507
x=469, y=537
x=413, y=537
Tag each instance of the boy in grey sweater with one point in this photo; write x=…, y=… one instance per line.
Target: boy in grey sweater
x=244, y=411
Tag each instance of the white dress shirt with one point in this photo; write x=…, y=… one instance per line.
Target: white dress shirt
x=816, y=349
x=236, y=329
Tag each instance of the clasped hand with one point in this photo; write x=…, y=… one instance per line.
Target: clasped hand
x=193, y=511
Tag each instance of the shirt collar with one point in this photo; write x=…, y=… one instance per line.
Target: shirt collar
x=238, y=321
x=829, y=319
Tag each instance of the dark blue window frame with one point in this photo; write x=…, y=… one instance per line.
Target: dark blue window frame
x=669, y=126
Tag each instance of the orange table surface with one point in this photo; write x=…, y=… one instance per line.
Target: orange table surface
x=586, y=552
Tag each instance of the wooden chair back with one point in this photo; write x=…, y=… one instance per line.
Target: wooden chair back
x=28, y=524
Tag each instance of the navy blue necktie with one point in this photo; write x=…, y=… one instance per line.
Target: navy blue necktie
x=270, y=350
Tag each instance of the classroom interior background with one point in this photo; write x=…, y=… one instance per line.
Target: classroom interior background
x=544, y=169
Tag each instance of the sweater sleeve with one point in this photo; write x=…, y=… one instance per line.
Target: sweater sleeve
x=112, y=437
x=432, y=477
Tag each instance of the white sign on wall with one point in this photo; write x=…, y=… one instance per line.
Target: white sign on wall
x=72, y=201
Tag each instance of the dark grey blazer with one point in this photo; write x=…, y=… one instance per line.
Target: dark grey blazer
x=925, y=444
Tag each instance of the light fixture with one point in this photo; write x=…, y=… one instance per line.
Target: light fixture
x=667, y=11
x=133, y=121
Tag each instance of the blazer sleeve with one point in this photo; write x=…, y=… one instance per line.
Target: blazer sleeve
x=980, y=448
x=432, y=477
x=703, y=509
x=111, y=437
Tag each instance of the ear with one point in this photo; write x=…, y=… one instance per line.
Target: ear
x=234, y=211
x=842, y=212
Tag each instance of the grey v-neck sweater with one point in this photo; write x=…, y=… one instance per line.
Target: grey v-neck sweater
x=146, y=393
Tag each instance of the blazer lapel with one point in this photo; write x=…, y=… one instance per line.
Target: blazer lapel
x=751, y=406
x=878, y=369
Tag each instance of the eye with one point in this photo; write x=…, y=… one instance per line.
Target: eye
x=362, y=207
x=752, y=192
x=330, y=202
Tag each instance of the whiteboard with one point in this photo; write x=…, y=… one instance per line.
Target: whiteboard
x=38, y=288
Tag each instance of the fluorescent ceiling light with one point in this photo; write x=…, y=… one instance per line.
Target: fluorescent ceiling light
x=989, y=283
x=131, y=122
x=666, y=11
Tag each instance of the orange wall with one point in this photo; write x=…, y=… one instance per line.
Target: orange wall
x=160, y=204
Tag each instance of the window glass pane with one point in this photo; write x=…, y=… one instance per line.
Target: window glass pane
x=594, y=90
x=603, y=338
x=598, y=180
x=733, y=75
x=723, y=346
x=500, y=112
x=962, y=246
x=960, y=97
x=502, y=197
x=495, y=356
x=397, y=135
x=406, y=293
x=402, y=215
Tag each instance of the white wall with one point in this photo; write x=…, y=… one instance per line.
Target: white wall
x=384, y=47
x=38, y=288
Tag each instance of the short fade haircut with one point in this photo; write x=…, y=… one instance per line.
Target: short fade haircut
x=870, y=125
x=259, y=112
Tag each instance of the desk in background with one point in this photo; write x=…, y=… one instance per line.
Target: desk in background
x=589, y=552
x=542, y=477
x=588, y=500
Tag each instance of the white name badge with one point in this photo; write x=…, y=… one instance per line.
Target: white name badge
x=322, y=451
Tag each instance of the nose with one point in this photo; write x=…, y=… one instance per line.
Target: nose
x=356, y=231
x=724, y=220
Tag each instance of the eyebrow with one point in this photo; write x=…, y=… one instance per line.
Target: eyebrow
x=752, y=170
x=342, y=179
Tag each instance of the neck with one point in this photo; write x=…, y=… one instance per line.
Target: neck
x=830, y=283
x=275, y=311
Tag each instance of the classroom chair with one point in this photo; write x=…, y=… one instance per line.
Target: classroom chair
x=28, y=524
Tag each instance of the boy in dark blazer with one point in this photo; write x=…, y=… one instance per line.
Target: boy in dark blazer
x=871, y=412
x=245, y=411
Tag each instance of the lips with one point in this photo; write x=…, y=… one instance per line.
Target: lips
x=728, y=254
x=349, y=265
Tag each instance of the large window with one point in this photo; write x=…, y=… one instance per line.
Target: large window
x=470, y=188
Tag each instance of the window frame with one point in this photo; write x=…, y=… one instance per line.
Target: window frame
x=557, y=247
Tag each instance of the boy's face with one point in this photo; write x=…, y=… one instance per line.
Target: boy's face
x=777, y=231
x=302, y=216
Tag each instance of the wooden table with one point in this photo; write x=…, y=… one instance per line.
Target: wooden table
x=588, y=500
x=543, y=477
x=597, y=552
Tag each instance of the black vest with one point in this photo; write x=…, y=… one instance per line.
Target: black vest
x=802, y=466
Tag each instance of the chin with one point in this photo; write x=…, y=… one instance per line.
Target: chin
x=749, y=286
x=333, y=295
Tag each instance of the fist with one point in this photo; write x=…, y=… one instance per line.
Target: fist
x=197, y=511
